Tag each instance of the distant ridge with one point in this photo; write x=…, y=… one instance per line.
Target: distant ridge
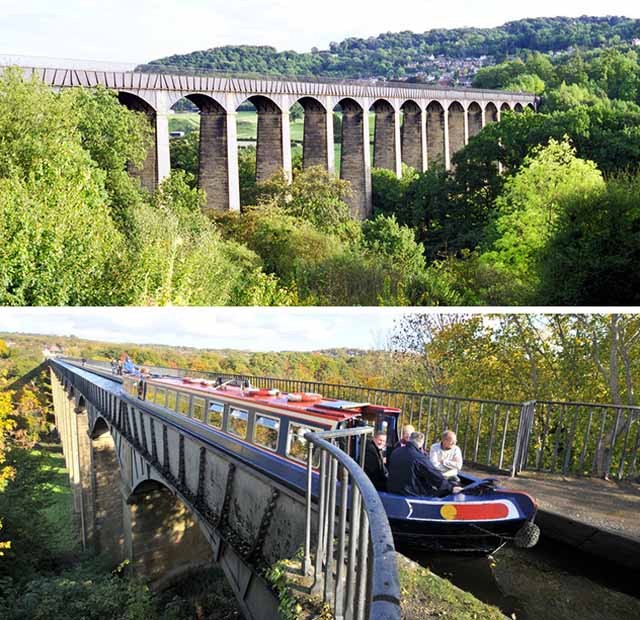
x=455, y=54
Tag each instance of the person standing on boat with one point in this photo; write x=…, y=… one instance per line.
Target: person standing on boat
x=411, y=472
x=374, y=465
x=446, y=456
x=407, y=429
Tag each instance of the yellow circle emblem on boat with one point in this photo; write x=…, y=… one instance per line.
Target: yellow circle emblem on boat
x=448, y=511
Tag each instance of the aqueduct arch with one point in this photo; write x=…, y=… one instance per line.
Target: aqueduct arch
x=148, y=173
x=490, y=113
x=108, y=533
x=437, y=135
x=475, y=119
x=457, y=120
x=412, y=132
x=163, y=537
x=355, y=165
x=385, y=143
x=317, y=137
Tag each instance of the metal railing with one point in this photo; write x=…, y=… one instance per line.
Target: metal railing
x=571, y=438
x=585, y=439
x=353, y=560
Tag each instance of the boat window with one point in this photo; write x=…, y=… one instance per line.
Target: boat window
x=183, y=404
x=298, y=446
x=216, y=410
x=197, y=409
x=266, y=431
x=238, y=422
x=160, y=396
x=171, y=399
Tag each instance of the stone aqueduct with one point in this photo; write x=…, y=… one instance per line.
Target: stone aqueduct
x=414, y=124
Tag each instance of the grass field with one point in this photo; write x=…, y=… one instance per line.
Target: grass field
x=247, y=124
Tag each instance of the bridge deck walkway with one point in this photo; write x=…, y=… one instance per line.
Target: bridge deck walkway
x=598, y=516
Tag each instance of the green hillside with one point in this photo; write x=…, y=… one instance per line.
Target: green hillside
x=424, y=56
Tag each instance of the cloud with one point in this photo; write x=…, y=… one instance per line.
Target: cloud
x=255, y=329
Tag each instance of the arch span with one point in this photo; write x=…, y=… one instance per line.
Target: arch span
x=148, y=172
x=317, y=138
x=385, y=148
x=457, y=132
x=164, y=537
x=490, y=113
x=273, y=141
x=475, y=119
x=435, y=134
x=355, y=165
x=217, y=159
x=108, y=526
x=412, y=154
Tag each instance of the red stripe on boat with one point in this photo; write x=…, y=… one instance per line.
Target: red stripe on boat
x=475, y=512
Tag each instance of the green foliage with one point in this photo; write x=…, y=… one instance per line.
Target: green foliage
x=568, y=96
x=78, y=594
x=385, y=238
x=593, y=255
x=527, y=214
x=314, y=196
x=289, y=608
x=527, y=83
x=247, y=173
x=389, y=193
x=58, y=243
x=395, y=55
x=180, y=257
x=116, y=138
x=185, y=155
x=498, y=76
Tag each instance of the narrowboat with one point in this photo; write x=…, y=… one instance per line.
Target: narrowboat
x=266, y=429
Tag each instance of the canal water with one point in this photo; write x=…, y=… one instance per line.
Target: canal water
x=552, y=581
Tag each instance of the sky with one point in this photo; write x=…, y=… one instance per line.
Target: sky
x=135, y=32
x=253, y=329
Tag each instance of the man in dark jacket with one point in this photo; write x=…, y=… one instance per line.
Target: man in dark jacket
x=374, y=465
x=411, y=472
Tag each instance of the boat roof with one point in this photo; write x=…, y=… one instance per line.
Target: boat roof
x=330, y=408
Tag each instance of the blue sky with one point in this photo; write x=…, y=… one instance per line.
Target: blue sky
x=254, y=329
x=125, y=31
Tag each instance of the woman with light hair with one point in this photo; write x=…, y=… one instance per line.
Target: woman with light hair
x=446, y=456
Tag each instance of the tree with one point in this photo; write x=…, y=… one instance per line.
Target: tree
x=185, y=155
x=180, y=257
x=384, y=237
x=58, y=243
x=526, y=217
x=116, y=138
x=314, y=196
x=592, y=255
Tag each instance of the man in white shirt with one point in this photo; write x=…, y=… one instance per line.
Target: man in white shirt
x=446, y=456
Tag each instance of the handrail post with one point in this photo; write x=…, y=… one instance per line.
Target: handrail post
x=306, y=566
x=349, y=505
x=523, y=435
